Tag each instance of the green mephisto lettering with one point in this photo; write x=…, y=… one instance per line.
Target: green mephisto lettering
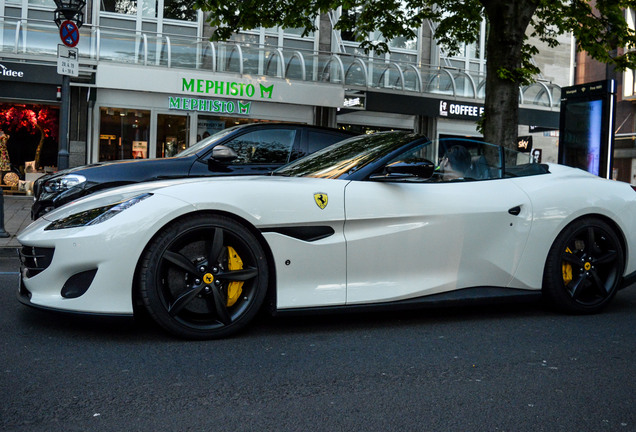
x=225, y=88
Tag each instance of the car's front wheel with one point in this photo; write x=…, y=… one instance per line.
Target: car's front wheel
x=584, y=267
x=203, y=277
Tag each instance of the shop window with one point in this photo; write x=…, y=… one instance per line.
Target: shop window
x=123, y=134
x=172, y=134
x=30, y=136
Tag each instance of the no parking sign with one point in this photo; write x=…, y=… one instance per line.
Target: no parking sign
x=69, y=33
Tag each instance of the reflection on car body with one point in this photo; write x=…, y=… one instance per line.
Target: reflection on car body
x=256, y=148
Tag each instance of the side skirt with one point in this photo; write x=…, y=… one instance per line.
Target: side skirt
x=466, y=296
x=628, y=280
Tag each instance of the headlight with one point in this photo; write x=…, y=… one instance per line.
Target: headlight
x=62, y=183
x=96, y=215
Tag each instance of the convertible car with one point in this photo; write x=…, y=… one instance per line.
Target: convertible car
x=370, y=222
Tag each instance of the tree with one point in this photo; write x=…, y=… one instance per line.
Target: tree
x=599, y=28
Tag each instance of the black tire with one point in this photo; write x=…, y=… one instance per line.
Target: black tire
x=584, y=267
x=186, y=272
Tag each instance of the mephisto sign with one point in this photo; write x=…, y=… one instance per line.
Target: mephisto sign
x=201, y=84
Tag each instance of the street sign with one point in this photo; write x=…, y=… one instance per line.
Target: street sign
x=69, y=33
x=67, y=60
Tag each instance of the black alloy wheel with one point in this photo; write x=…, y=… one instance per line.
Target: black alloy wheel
x=584, y=267
x=203, y=277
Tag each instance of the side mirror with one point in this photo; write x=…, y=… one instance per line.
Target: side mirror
x=223, y=154
x=422, y=169
x=221, y=158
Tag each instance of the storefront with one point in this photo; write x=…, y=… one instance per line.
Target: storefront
x=29, y=120
x=158, y=112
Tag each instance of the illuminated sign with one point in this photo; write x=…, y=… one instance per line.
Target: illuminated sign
x=227, y=88
x=587, y=127
x=354, y=100
x=524, y=144
x=209, y=105
x=460, y=110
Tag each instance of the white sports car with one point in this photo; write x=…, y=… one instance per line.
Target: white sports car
x=368, y=222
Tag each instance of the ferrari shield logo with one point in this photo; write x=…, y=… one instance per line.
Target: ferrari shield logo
x=321, y=199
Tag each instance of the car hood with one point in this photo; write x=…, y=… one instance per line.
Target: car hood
x=202, y=192
x=131, y=170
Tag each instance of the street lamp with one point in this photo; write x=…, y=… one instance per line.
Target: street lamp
x=67, y=12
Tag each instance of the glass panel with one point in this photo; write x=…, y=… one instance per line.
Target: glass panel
x=184, y=52
x=264, y=146
x=49, y=3
x=118, y=46
x=127, y=7
x=304, y=44
x=8, y=34
x=403, y=43
x=244, y=38
x=354, y=74
x=172, y=134
x=149, y=8
x=41, y=38
x=123, y=133
x=297, y=32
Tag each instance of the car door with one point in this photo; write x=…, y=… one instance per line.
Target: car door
x=406, y=240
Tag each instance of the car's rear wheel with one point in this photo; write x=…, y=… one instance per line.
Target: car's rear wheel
x=584, y=267
x=203, y=277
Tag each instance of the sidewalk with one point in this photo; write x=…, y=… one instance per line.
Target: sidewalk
x=17, y=215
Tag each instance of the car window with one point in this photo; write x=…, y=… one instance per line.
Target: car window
x=267, y=146
x=317, y=140
x=206, y=142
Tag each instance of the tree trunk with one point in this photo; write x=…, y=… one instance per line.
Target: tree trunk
x=508, y=21
x=38, y=150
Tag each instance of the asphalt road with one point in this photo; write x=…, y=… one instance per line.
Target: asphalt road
x=505, y=368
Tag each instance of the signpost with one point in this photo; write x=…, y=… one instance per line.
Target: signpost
x=69, y=18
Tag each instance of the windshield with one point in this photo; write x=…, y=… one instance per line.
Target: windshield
x=205, y=142
x=347, y=156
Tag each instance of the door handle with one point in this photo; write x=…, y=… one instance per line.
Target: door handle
x=515, y=211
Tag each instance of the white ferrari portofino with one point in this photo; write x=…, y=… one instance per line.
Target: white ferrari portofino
x=369, y=222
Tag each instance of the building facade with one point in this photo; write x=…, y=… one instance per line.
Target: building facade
x=150, y=83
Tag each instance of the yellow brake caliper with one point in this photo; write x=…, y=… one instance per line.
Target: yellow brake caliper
x=566, y=268
x=234, y=289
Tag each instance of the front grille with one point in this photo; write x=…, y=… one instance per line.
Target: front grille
x=35, y=259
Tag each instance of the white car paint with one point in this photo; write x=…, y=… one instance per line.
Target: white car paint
x=391, y=240
x=414, y=239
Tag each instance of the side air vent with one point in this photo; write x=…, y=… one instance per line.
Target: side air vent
x=306, y=233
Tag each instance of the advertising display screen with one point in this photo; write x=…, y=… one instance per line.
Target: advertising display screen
x=582, y=137
x=586, y=125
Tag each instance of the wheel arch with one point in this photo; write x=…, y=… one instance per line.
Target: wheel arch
x=608, y=220
x=270, y=297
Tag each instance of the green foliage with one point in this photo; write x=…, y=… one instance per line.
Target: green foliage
x=601, y=32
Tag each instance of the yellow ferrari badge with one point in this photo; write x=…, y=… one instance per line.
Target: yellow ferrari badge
x=321, y=199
